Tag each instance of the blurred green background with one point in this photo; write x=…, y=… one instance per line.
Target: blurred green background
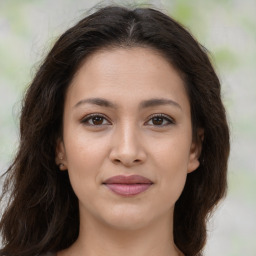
x=227, y=28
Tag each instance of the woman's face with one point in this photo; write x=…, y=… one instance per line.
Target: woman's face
x=127, y=113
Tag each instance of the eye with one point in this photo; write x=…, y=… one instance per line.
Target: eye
x=160, y=120
x=95, y=120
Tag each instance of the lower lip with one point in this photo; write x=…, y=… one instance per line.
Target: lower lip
x=128, y=189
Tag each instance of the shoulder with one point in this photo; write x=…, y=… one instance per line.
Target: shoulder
x=48, y=254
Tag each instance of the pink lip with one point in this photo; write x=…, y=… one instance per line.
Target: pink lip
x=128, y=185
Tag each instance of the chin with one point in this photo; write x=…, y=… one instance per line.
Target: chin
x=127, y=219
x=128, y=225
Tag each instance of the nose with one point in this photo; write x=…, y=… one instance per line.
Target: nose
x=127, y=147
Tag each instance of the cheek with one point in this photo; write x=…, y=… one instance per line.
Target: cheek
x=83, y=148
x=172, y=153
x=171, y=160
x=85, y=156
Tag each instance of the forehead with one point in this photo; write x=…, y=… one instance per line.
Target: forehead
x=120, y=73
x=116, y=61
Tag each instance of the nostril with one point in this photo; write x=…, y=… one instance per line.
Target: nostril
x=118, y=161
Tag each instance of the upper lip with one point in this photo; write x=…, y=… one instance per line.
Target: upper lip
x=132, y=179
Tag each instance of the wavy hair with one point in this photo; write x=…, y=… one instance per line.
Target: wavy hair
x=42, y=212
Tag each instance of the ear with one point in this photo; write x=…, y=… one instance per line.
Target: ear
x=195, y=151
x=60, y=157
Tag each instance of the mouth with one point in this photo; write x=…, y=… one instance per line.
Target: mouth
x=128, y=185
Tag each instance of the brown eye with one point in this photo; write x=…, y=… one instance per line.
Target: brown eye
x=157, y=120
x=95, y=120
x=160, y=120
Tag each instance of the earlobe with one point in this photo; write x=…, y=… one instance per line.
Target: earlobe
x=195, y=151
x=60, y=155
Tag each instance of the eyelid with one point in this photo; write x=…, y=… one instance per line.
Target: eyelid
x=165, y=116
x=89, y=116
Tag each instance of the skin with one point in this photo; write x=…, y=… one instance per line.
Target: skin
x=126, y=141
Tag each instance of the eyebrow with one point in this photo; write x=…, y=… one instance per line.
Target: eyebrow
x=96, y=101
x=144, y=104
x=158, y=102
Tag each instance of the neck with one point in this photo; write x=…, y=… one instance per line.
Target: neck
x=96, y=238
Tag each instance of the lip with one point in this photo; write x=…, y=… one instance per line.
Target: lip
x=132, y=179
x=128, y=185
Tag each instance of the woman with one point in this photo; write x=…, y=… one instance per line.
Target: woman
x=123, y=143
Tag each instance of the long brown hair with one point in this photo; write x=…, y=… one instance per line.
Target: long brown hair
x=42, y=213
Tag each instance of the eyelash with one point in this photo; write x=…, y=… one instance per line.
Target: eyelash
x=89, y=117
x=166, y=118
